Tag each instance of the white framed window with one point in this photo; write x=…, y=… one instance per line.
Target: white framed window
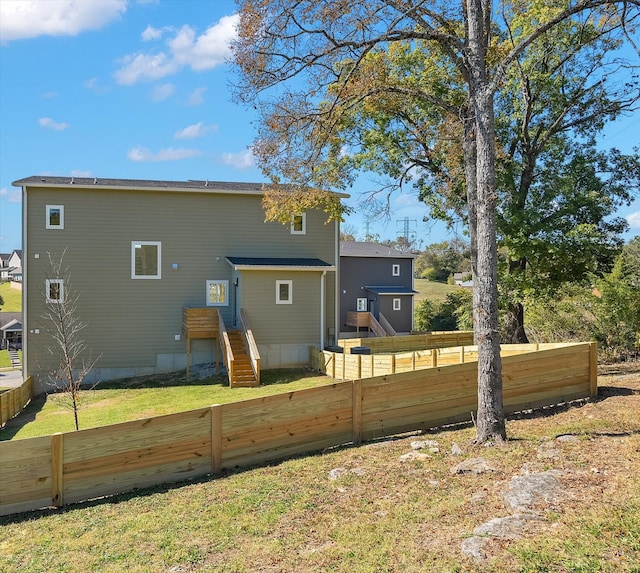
x=395, y=270
x=299, y=224
x=146, y=257
x=361, y=304
x=54, y=290
x=217, y=293
x=397, y=304
x=55, y=217
x=284, y=292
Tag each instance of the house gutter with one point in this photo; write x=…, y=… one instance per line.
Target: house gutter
x=323, y=283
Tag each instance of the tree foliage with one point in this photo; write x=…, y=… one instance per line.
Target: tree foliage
x=406, y=89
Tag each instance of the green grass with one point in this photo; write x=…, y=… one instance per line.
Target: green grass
x=12, y=298
x=5, y=361
x=121, y=401
x=432, y=290
x=381, y=515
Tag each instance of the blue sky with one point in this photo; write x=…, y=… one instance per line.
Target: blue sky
x=139, y=89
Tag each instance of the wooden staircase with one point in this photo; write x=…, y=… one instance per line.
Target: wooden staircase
x=242, y=374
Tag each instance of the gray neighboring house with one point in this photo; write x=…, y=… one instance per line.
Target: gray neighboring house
x=140, y=251
x=10, y=330
x=377, y=279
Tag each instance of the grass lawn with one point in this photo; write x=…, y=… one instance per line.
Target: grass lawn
x=432, y=290
x=369, y=509
x=5, y=361
x=121, y=401
x=12, y=298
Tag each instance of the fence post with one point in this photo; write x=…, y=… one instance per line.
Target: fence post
x=434, y=357
x=216, y=438
x=356, y=415
x=593, y=370
x=57, y=469
x=462, y=355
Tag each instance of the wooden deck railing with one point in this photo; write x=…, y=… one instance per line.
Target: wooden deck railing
x=250, y=344
x=387, y=325
x=225, y=347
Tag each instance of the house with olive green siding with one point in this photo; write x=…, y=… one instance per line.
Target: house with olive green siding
x=138, y=252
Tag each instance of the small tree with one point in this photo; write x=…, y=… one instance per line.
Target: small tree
x=64, y=325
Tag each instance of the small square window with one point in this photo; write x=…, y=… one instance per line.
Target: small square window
x=217, y=293
x=299, y=224
x=361, y=305
x=55, y=217
x=145, y=259
x=284, y=292
x=395, y=270
x=54, y=290
x=397, y=304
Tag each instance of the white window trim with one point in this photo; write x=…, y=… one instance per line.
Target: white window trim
x=303, y=231
x=48, y=224
x=133, y=260
x=361, y=304
x=397, y=304
x=395, y=270
x=284, y=301
x=226, y=290
x=60, y=283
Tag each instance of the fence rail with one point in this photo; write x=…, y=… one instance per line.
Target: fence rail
x=14, y=400
x=75, y=466
x=410, y=342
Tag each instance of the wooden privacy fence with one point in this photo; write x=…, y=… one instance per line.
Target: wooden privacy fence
x=349, y=366
x=13, y=401
x=74, y=466
x=379, y=345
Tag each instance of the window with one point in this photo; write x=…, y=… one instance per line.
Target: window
x=396, y=304
x=395, y=270
x=361, y=304
x=54, y=290
x=299, y=224
x=284, y=292
x=217, y=293
x=145, y=259
x=55, y=217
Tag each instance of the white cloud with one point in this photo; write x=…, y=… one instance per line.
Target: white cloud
x=13, y=195
x=23, y=19
x=150, y=33
x=51, y=124
x=81, y=173
x=142, y=154
x=242, y=160
x=197, y=96
x=162, y=92
x=194, y=131
x=185, y=50
x=634, y=220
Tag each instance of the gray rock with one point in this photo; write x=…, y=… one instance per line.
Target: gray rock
x=524, y=493
x=410, y=456
x=567, y=438
x=456, y=450
x=473, y=466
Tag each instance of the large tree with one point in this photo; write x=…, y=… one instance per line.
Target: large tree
x=306, y=65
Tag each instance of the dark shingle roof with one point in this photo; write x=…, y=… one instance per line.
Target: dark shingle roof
x=279, y=262
x=381, y=290
x=362, y=249
x=147, y=184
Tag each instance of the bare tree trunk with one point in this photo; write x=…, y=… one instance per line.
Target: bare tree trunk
x=490, y=417
x=515, y=332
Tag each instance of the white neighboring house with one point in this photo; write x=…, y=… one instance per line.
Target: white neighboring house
x=11, y=266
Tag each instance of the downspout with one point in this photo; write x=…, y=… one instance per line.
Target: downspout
x=336, y=286
x=25, y=314
x=322, y=309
